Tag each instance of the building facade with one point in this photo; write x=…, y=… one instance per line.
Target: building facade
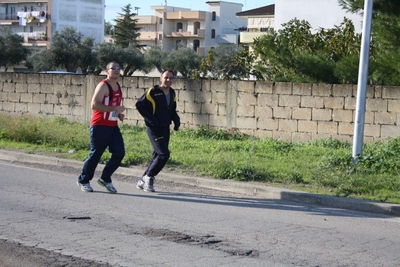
x=171, y=27
x=29, y=20
x=86, y=16
x=37, y=20
x=260, y=21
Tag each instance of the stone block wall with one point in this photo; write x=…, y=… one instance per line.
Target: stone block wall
x=287, y=111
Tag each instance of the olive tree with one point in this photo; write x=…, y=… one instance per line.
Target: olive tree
x=71, y=50
x=130, y=58
x=154, y=57
x=183, y=60
x=227, y=61
x=12, y=51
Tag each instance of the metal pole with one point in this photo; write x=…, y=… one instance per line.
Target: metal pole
x=236, y=33
x=362, y=82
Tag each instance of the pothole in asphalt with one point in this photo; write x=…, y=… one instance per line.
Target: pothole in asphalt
x=208, y=241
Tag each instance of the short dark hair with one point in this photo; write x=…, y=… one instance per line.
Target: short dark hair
x=168, y=70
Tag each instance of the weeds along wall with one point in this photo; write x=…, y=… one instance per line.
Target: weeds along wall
x=287, y=111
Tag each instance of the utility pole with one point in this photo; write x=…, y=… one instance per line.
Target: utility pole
x=362, y=82
x=236, y=33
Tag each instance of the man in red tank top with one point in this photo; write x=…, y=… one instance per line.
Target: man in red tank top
x=104, y=131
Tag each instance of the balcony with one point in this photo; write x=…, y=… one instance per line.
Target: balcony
x=33, y=37
x=181, y=34
x=6, y=16
x=143, y=20
x=147, y=36
x=201, y=51
x=186, y=15
x=248, y=37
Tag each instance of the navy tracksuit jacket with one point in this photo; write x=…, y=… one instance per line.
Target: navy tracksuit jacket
x=158, y=115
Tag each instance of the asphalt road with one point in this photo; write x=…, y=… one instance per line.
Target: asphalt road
x=15, y=254
x=47, y=221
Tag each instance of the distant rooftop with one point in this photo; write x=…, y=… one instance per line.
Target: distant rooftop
x=265, y=10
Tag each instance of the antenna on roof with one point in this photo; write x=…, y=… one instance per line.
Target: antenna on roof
x=165, y=2
x=137, y=10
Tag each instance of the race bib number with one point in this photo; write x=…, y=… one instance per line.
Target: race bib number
x=113, y=116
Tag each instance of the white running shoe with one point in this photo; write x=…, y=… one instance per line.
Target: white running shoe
x=148, y=183
x=85, y=187
x=140, y=184
x=109, y=186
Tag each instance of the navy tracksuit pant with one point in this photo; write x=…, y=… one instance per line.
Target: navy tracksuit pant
x=159, y=140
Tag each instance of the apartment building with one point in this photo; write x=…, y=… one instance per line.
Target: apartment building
x=171, y=27
x=320, y=14
x=28, y=19
x=37, y=20
x=260, y=21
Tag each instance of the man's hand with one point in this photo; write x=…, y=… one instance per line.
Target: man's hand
x=119, y=109
x=121, y=117
x=176, y=126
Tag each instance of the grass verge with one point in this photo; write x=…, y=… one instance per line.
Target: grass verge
x=320, y=166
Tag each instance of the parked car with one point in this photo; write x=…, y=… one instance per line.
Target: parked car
x=56, y=72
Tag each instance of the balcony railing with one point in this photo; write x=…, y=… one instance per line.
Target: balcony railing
x=248, y=37
x=146, y=36
x=186, y=15
x=33, y=36
x=36, y=17
x=146, y=20
x=200, y=34
x=201, y=51
x=4, y=16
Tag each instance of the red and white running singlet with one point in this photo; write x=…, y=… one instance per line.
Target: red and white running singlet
x=108, y=118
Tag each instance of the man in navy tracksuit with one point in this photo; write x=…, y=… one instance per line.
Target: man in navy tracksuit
x=158, y=108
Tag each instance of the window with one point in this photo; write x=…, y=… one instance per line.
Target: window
x=196, y=26
x=179, y=26
x=160, y=21
x=212, y=34
x=160, y=37
x=178, y=44
x=214, y=16
x=196, y=44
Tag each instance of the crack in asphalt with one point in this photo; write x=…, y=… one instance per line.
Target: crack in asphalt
x=207, y=241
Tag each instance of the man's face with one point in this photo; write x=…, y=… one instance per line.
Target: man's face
x=113, y=70
x=166, y=79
